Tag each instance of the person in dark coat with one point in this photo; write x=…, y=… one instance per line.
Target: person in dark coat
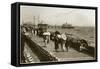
x=56, y=41
x=68, y=43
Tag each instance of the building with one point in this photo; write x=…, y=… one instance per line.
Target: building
x=42, y=28
x=66, y=25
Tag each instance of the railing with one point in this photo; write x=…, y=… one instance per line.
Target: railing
x=42, y=54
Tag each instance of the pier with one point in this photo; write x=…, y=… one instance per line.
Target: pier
x=36, y=52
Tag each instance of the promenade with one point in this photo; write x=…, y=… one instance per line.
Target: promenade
x=71, y=55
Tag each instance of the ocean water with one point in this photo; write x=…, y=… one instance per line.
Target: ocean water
x=87, y=33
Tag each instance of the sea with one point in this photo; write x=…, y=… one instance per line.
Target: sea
x=87, y=33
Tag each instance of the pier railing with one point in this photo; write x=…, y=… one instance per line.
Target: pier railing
x=42, y=54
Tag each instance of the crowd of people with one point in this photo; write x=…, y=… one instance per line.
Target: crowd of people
x=60, y=39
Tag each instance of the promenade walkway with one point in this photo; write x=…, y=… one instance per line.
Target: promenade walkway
x=71, y=55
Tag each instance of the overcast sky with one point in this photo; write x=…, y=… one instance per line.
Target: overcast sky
x=58, y=16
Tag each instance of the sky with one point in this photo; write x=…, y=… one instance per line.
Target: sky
x=57, y=16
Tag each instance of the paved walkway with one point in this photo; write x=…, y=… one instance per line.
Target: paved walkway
x=71, y=55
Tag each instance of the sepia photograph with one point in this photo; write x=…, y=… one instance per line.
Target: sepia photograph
x=57, y=34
